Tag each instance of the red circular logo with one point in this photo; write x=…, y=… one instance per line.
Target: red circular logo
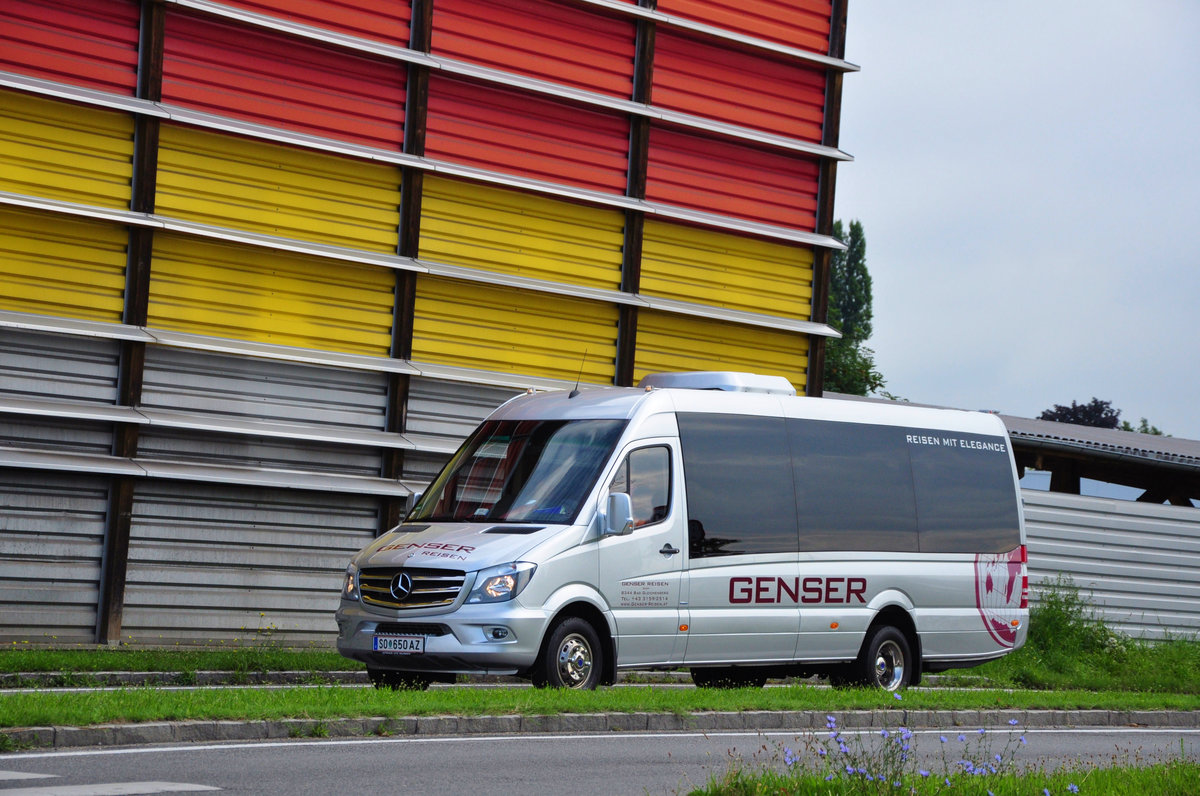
x=998, y=593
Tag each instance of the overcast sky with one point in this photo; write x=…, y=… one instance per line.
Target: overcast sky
x=1028, y=178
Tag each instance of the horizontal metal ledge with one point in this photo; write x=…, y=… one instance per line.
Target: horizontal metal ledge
x=310, y=356
x=25, y=458
x=221, y=424
x=720, y=33
x=303, y=31
x=73, y=326
x=89, y=96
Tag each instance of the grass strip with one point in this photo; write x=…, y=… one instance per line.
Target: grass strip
x=1174, y=778
x=31, y=709
x=175, y=659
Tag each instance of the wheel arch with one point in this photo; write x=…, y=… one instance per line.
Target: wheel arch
x=582, y=609
x=897, y=616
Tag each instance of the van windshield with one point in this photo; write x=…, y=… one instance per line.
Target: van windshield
x=521, y=471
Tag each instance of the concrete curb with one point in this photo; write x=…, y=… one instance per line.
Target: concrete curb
x=174, y=732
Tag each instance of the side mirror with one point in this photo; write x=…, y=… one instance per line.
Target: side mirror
x=410, y=502
x=618, y=520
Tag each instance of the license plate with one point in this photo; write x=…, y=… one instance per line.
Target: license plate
x=404, y=645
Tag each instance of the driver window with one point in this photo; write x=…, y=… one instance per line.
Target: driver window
x=645, y=476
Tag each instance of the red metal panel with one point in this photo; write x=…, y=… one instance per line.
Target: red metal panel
x=548, y=40
x=381, y=20
x=273, y=79
x=505, y=130
x=89, y=43
x=797, y=23
x=742, y=87
x=732, y=178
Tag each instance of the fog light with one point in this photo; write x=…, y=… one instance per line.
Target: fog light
x=498, y=633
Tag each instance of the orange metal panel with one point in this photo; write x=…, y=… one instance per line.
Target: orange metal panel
x=732, y=178
x=91, y=43
x=550, y=40
x=234, y=70
x=796, y=23
x=382, y=20
x=505, y=130
x=742, y=87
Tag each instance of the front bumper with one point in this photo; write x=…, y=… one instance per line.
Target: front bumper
x=464, y=641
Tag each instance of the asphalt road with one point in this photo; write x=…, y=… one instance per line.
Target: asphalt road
x=602, y=764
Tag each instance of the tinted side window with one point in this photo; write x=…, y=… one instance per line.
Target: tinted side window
x=966, y=498
x=645, y=476
x=853, y=487
x=739, y=484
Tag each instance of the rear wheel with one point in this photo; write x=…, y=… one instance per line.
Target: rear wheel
x=571, y=658
x=727, y=677
x=886, y=661
x=399, y=681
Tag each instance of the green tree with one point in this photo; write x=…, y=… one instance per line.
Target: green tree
x=849, y=364
x=1142, y=427
x=1094, y=413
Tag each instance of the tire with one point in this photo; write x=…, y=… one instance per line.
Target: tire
x=399, y=681
x=886, y=661
x=727, y=677
x=571, y=657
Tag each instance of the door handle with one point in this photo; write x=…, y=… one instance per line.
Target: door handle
x=667, y=550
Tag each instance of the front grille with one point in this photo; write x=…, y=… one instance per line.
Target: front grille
x=408, y=588
x=412, y=629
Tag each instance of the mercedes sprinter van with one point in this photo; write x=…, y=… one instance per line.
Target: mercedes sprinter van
x=709, y=521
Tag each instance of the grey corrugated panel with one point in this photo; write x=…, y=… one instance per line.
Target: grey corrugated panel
x=207, y=448
x=449, y=409
x=55, y=434
x=51, y=542
x=423, y=467
x=209, y=562
x=446, y=411
x=40, y=365
x=271, y=477
x=259, y=389
x=1138, y=564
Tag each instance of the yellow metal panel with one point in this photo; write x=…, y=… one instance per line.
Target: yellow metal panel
x=723, y=270
x=277, y=190
x=470, y=325
x=58, y=150
x=266, y=296
x=61, y=266
x=668, y=343
x=518, y=233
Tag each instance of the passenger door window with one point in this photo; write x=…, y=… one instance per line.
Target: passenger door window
x=645, y=476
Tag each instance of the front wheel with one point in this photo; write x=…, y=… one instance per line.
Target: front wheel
x=886, y=661
x=572, y=657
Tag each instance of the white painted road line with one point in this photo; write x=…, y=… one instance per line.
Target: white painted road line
x=11, y=775
x=108, y=789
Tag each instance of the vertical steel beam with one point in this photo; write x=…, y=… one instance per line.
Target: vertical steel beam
x=115, y=558
x=416, y=111
x=639, y=156
x=831, y=132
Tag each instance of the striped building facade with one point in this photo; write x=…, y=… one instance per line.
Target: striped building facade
x=264, y=263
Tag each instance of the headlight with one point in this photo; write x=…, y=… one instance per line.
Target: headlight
x=497, y=584
x=350, y=586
